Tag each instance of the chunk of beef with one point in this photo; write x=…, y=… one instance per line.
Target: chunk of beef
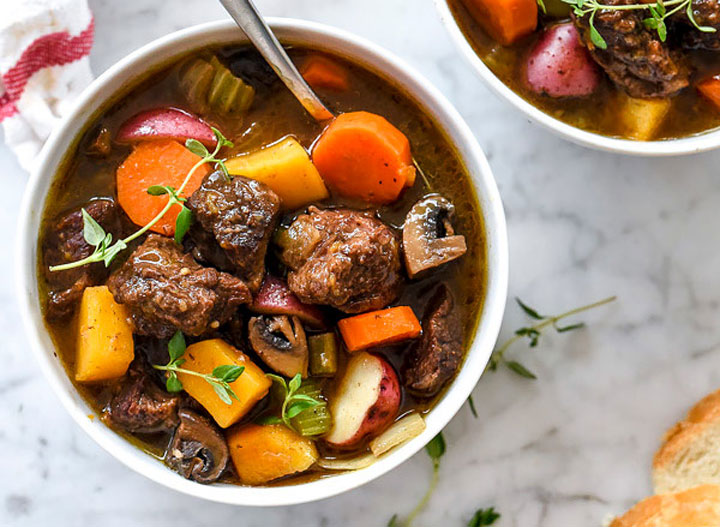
x=140, y=405
x=166, y=290
x=706, y=13
x=235, y=220
x=65, y=243
x=635, y=59
x=342, y=258
x=436, y=357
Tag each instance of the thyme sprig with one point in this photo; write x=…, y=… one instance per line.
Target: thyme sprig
x=219, y=379
x=293, y=403
x=105, y=251
x=658, y=11
x=534, y=332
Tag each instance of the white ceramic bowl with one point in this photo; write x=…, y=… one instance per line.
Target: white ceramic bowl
x=686, y=145
x=162, y=51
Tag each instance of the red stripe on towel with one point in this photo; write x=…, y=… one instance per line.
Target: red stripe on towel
x=54, y=49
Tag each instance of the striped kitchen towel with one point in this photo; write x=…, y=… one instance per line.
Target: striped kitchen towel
x=44, y=47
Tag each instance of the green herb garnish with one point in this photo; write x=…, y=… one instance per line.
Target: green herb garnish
x=484, y=517
x=96, y=236
x=435, y=449
x=658, y=11
x=533, y=333
x=219, y=379
x=293, y=403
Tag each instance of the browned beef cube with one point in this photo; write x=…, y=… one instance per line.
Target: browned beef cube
x=437, y=356
x=166, y=290
x=635, y=59
x=342, y=258
x=65, y=243
x=234, y=223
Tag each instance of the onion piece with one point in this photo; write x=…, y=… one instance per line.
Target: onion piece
x=355, y=463
x=402, y=431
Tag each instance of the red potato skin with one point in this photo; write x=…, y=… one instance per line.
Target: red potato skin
x=275, y=298
x=381, y=414
x=560, y=66
x=165, y=123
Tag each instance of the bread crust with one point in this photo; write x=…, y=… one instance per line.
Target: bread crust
x=696, y=507
x=683, y=443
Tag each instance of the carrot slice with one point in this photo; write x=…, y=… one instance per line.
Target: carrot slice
x=361, y=155
x=379, y=328
x=322, y=72
x=507, y=21
x=710, y=88
x=161, y=162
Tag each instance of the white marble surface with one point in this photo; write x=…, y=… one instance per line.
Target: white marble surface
x=563, y=451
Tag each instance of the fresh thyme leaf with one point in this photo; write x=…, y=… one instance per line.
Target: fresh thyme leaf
x=571, y=327
x=93, y=232
x=228, y=372
x=294, y=383
x=520, y=369
x=436, y=447
x=176, y=346
x=542, y=6
x=173, y=384
x=157, y=190
x=484, y=517
x=110, y=253
x=182, y=224
x=596, y=38
x=393, y=521
x=222, y=140
x=197, y=148
x=471, y=402
x=221, y=392
x=297, y=407
x=532, y=313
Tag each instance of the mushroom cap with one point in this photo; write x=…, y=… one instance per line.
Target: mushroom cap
x=198, y=450
x=281, y=343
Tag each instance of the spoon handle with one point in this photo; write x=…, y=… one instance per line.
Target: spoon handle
x=248, y=18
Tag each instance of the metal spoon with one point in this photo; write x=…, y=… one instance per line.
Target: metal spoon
x=251, y=22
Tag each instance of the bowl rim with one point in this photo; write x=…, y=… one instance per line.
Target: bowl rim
x=693, y=144
x=321, y=37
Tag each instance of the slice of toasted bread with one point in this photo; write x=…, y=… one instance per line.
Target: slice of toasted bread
x=696, y=507
x=690, y=453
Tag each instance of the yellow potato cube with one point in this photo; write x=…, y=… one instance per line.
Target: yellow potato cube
x=641, y=118
x=250, y=387
x=105, y=346
x=286, y=168
x=263, y=453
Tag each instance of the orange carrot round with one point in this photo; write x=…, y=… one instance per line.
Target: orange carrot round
x=163, y=162
x=322, y=72
x=361, y=155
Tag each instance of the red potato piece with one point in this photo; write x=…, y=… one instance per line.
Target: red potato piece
x=560, y=66
x=165, y=123
x=366, y=401
x=275, y=298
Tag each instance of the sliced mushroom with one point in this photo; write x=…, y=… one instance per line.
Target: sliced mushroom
x=280, y=342
x=198, y=450
x=429, y=239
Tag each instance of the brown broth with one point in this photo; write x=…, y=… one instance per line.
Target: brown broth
x=689, y=114
x=273, y=115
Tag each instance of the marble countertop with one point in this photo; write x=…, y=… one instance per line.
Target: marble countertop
x=562, y=451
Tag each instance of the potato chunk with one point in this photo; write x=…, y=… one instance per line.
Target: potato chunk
x=104, y=341
x=286, y=168
x=641, y=118
x=250, y=387
x=264, y=453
